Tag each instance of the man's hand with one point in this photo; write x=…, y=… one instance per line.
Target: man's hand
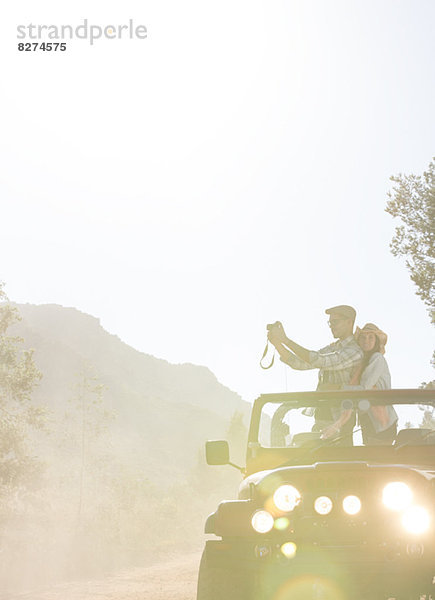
x=335, y=428
x=276, y=335
x=330, y=431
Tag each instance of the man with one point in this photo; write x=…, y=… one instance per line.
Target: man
x=336, y=362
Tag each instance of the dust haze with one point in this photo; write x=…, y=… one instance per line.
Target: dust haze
x=116, y=477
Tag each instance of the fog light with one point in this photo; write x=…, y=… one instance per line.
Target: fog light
x=352, y=505
x=416, y=519
x=289, y=549
x=397, y=495
x=323, y=505
x=286, y=498
x=262, y=521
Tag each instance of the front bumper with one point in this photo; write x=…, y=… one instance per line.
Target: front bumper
x=389, y=568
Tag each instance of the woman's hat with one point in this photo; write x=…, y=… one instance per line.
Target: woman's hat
x=372, y=328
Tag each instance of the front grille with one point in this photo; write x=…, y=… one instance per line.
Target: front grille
x=370, y=525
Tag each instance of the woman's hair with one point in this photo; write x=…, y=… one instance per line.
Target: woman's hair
x=376, y=347
x=380, y=341
x=367, y=355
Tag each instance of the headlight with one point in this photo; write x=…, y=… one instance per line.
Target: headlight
x=397, y=495
x=352, y=505
x=289, y=549
x=323, y=505
x=286, y=498
x=416, y=519
x=262, y=521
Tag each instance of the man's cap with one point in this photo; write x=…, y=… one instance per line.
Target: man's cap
x=344, y=311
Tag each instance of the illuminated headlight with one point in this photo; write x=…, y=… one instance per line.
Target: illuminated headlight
x=416, y=519
x=323, y=505
x=262, y=521
x=397, y=495
x=286, y=498
x=352, y=505
x=289, y=549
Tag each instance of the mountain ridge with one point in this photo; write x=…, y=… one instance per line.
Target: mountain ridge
x=164, y=412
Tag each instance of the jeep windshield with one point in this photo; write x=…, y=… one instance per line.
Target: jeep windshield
x=371, y=426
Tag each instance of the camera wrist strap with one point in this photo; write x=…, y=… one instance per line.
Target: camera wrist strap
x=264, y=354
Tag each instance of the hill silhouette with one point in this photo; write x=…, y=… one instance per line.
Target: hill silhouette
x=163, y=412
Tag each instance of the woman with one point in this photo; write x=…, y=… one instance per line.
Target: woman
x=378, y=423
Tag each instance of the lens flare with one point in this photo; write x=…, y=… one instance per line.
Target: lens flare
x=308, y=586
x=416, y=520
x=397, y=495
x=286, y=498
x=281, y=524
x=323, y=505
x=289, y=549
x=262, y=521
x=351, y=505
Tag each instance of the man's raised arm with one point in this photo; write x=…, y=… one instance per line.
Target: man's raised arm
x=298, y=358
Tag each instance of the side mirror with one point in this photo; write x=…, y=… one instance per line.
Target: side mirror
x=217, y=452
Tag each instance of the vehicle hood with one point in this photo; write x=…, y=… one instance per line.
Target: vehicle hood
x=331, y=474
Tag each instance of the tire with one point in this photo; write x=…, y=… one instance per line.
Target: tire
x=216, y=583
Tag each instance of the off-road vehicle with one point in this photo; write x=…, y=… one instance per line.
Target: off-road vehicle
x=331, y=518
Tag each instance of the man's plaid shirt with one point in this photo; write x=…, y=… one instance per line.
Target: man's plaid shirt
x=336, y=362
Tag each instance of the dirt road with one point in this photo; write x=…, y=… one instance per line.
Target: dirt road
x=173, y=580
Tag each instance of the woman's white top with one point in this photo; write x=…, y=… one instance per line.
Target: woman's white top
x=376, y=375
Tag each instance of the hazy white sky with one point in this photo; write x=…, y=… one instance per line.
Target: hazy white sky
x=228, y=171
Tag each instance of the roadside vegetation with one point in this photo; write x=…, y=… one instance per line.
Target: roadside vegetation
x=73, y=502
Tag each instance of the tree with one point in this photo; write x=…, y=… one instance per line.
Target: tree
x=18, y=377
x=428, y=421
x=237, y=435
x=412, y=200
x=90, y=422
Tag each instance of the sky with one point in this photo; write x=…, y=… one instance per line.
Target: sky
x=228, y=171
